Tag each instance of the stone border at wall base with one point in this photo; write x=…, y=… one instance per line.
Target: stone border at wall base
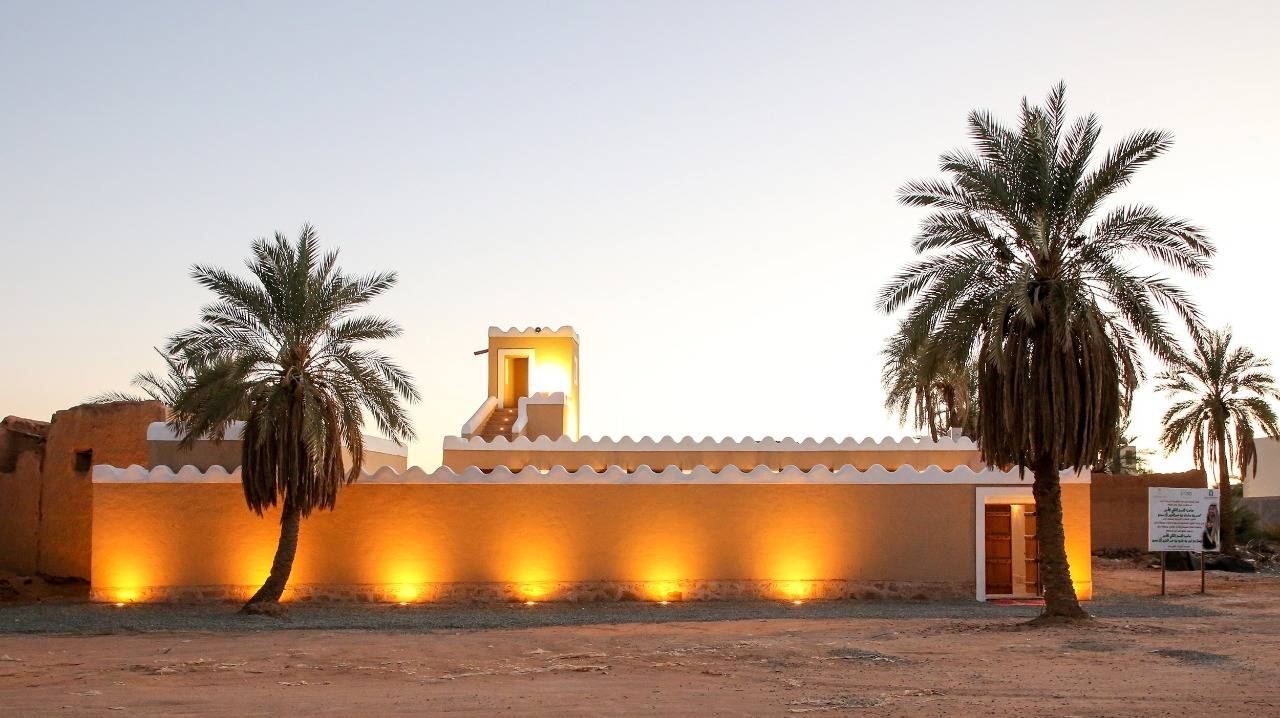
x=588, y=591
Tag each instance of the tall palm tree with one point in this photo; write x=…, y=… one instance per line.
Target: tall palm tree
x=1223, y=396
x=934, y=397
x=281, y=352
x=1030, y=278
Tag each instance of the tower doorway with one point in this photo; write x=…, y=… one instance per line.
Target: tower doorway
x=515, y=382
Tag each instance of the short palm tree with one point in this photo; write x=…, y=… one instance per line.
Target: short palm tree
x=932, y=397
x=281, y=351
x=1028, y=276
x=1222, y=399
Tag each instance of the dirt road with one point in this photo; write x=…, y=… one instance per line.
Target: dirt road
x=1227, y=663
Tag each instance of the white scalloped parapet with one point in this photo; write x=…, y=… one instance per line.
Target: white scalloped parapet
x=565, y=331
x=688, y=443
x=846, y=474
x=482, y=415
x=103, y=474
x=161, y=431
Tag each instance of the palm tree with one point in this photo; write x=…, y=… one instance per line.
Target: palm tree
x=937, y=398
x=1028, y=277
x=281, y=352
x=1223, y=396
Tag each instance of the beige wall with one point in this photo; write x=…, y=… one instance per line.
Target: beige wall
x=1263, y=479
x=204, y=454
x=200, y=534
x=20, y=514
x=517, y=458
x=1077, y=523
x=1119, y=506
x=545, y=420
x=48, y=530
x=18, y=436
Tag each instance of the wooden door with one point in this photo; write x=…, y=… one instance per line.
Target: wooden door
x=999, y=543
x=1031, y=551
x=520, y=380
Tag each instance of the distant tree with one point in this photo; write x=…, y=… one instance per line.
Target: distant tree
x=1222, y=400
x=280, y=351
x=1029, y=277
x=1124, y=458
x=937, y=397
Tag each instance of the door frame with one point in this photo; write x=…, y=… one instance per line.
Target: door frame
x=503, y=355
x=983, y=496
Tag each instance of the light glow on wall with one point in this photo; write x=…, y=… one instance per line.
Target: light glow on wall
x=550, y=376
x=666, y=591
x=533, y=592
x=405, y=594
x=796, y=590
x=539, y=543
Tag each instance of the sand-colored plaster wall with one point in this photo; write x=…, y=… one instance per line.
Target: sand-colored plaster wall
x=20, y=514
x=18, y=436
x=519, y=535
x=1264, y=478
x=1119, y=506
x=116, y=434
x=545, y=420
x=204, y=454
x=1076, y=523
x=517, y=458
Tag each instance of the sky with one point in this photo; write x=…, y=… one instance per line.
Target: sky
x=705, y=191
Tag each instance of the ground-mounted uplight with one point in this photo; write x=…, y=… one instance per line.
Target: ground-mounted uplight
x=404, y=595
x=796, y=592
x=532, y=593
x=664, y=592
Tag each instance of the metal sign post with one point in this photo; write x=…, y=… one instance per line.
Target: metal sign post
x=1202, y=557
x=1162, y=573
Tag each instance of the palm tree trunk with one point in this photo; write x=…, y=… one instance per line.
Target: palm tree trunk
x=1060, y=602
x=1227, y=513
x=282, y=564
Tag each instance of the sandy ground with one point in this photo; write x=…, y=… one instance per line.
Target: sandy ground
x=1226, y=663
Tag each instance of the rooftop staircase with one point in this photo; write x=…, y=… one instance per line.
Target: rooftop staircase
x=499, y=424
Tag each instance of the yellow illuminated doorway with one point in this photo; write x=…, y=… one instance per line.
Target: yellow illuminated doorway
x=515, y=379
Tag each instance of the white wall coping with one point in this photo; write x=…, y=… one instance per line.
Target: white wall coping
x=541, y=398
x=688, y=443
x=161, y=431
x=701, y=475
x=565, y=331
x=478, y=419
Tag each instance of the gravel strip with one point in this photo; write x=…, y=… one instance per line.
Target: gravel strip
x=89, y=618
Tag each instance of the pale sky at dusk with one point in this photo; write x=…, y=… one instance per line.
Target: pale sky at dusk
x=705, y=191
